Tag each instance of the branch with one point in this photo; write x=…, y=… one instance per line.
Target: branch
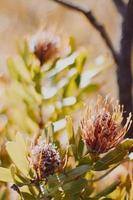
x=121, y=6
x=92, y=19
x=123, y=60
x=124, y=72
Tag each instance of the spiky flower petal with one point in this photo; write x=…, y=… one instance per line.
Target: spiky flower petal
x=44, y=45
x=101, y=127
x=45, y=160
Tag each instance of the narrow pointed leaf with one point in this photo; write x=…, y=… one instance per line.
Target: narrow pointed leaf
x=62, y=64
x=70, y=131
x=107, y=190
x=17, y=152
x=114, y=156
x=18, y=69
x=5, y=175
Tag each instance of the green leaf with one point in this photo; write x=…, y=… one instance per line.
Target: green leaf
x=19, y=139
x=114, y=156
x=33, y=93
x=5, y=175
x=72, y=43
x=29, y=192
x=18, y=69
x=85, y=160
x=23, y=50
x=12, y=70
x=107, y=190
x=71, y=137
x=62, y=64
x=79, y=143
x=86, y=90
x=71, y=188
x=128, y=184
x=80, y=61
x=19, y=180
x=28, y=196
x=49, y=131
x=72, y=174
x=75, y=186
x=17, y=152
x=26, y=92
x=17, y=89
x=71, y=87
x=70, y=131
x=79, y=66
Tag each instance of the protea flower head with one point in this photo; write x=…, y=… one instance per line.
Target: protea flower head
x=101, y=127
x=45, y=160
x=44, y=45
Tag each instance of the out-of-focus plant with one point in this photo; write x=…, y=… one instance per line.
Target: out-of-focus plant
x=49, y=169
x=50, y=159
x=47, y=81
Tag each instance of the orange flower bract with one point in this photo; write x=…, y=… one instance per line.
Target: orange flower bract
x=101, y=127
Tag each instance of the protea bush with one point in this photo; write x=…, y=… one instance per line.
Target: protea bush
x=44, y=153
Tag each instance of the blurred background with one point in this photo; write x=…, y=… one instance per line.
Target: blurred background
x=24, y=18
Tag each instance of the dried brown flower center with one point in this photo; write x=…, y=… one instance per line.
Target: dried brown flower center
x=45, y=160
x=45, y=51
x=104, y=125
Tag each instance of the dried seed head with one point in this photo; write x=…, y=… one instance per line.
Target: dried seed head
x=101, y=125
x=44, y=45
x=45, y=160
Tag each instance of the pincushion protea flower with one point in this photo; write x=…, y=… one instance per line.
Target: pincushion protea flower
x=44, y=45
x=101, y=127
x=45, y=160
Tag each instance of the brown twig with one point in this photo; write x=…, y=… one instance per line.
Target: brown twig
x=121, y=6
x=92, y=19
x=124, y=72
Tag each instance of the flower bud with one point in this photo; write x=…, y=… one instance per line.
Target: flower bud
x=45, y=160
x=44, y=45
x=101, y=127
